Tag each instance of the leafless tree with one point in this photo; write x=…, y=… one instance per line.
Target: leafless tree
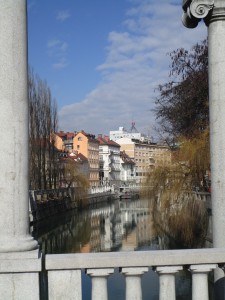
x=42, y=123
x=182, y=107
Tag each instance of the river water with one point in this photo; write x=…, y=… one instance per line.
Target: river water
x=122, y=225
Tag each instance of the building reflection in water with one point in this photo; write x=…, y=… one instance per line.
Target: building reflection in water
x=124, y=225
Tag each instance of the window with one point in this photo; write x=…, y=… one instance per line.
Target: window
x=79, y=138
x=78, y=147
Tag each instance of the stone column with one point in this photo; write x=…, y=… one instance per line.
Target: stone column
x=216, y=41
x=133, y=282
x=14, y=223
x=200, y=281
x=167, y=281
x=99, y=283
x=19, y=266
x=216, y=31
x=213, y=13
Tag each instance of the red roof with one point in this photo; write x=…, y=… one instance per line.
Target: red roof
x=78, y=157
x=66, y=135
x=106, y=141
x=90, y=136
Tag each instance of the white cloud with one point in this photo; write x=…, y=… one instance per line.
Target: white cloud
x=60, y=64
x=57, y=45
x=63, y=15
x=57, y=51
x=136, y=63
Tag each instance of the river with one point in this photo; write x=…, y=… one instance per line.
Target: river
x=125, y=225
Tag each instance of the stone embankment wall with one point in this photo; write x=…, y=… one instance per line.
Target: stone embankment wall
x=46, y=203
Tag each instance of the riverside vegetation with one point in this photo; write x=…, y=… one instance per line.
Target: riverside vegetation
x=182, y=110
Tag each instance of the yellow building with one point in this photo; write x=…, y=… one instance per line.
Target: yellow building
x=87, y=145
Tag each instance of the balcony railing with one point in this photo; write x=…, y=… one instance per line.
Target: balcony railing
x=64, y=272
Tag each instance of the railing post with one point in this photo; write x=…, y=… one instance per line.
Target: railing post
x=64, y=284
x=200, y=281
x=133, y=282
x=167, y=282
x=99, y=282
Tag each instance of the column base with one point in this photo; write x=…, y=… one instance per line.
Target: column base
x=19, y=275
x=15, y=244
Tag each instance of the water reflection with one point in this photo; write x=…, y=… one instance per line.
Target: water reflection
x=119, y=226
x=125, y=225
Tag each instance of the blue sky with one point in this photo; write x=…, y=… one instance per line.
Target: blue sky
x=103, y=59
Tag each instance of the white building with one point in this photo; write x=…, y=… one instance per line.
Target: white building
x=109, y=159
x=127, y=168
x=131, y=134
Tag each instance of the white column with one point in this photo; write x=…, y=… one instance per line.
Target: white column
x=14, y=223
x=99, y=283
x=216, y=42
x=200, y=281
x=167, y=282
x=19, y=271
x=213, y=12
x=133, y=282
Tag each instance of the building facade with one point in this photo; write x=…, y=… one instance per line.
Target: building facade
x=109, y=159
x=63, y=141
x=73, y=167
x=127, y=168
x=88, y=145
x=147, y=156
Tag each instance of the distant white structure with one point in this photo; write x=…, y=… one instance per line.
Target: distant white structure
x=109, y=160
x=127, y=168
x=131, y=134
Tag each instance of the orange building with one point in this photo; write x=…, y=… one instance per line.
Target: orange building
x=63, y=141
x=87, y=145
x=57, y=141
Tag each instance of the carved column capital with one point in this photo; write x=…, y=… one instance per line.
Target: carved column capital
x=218, y=12
x=195, y=10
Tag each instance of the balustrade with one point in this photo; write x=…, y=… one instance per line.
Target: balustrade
x=64, y=272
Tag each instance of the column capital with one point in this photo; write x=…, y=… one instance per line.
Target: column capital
x=218, y=12
x=99, y=272
x=134, y=271
x=195, y=10
x=202, y=268
x=168, y=269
